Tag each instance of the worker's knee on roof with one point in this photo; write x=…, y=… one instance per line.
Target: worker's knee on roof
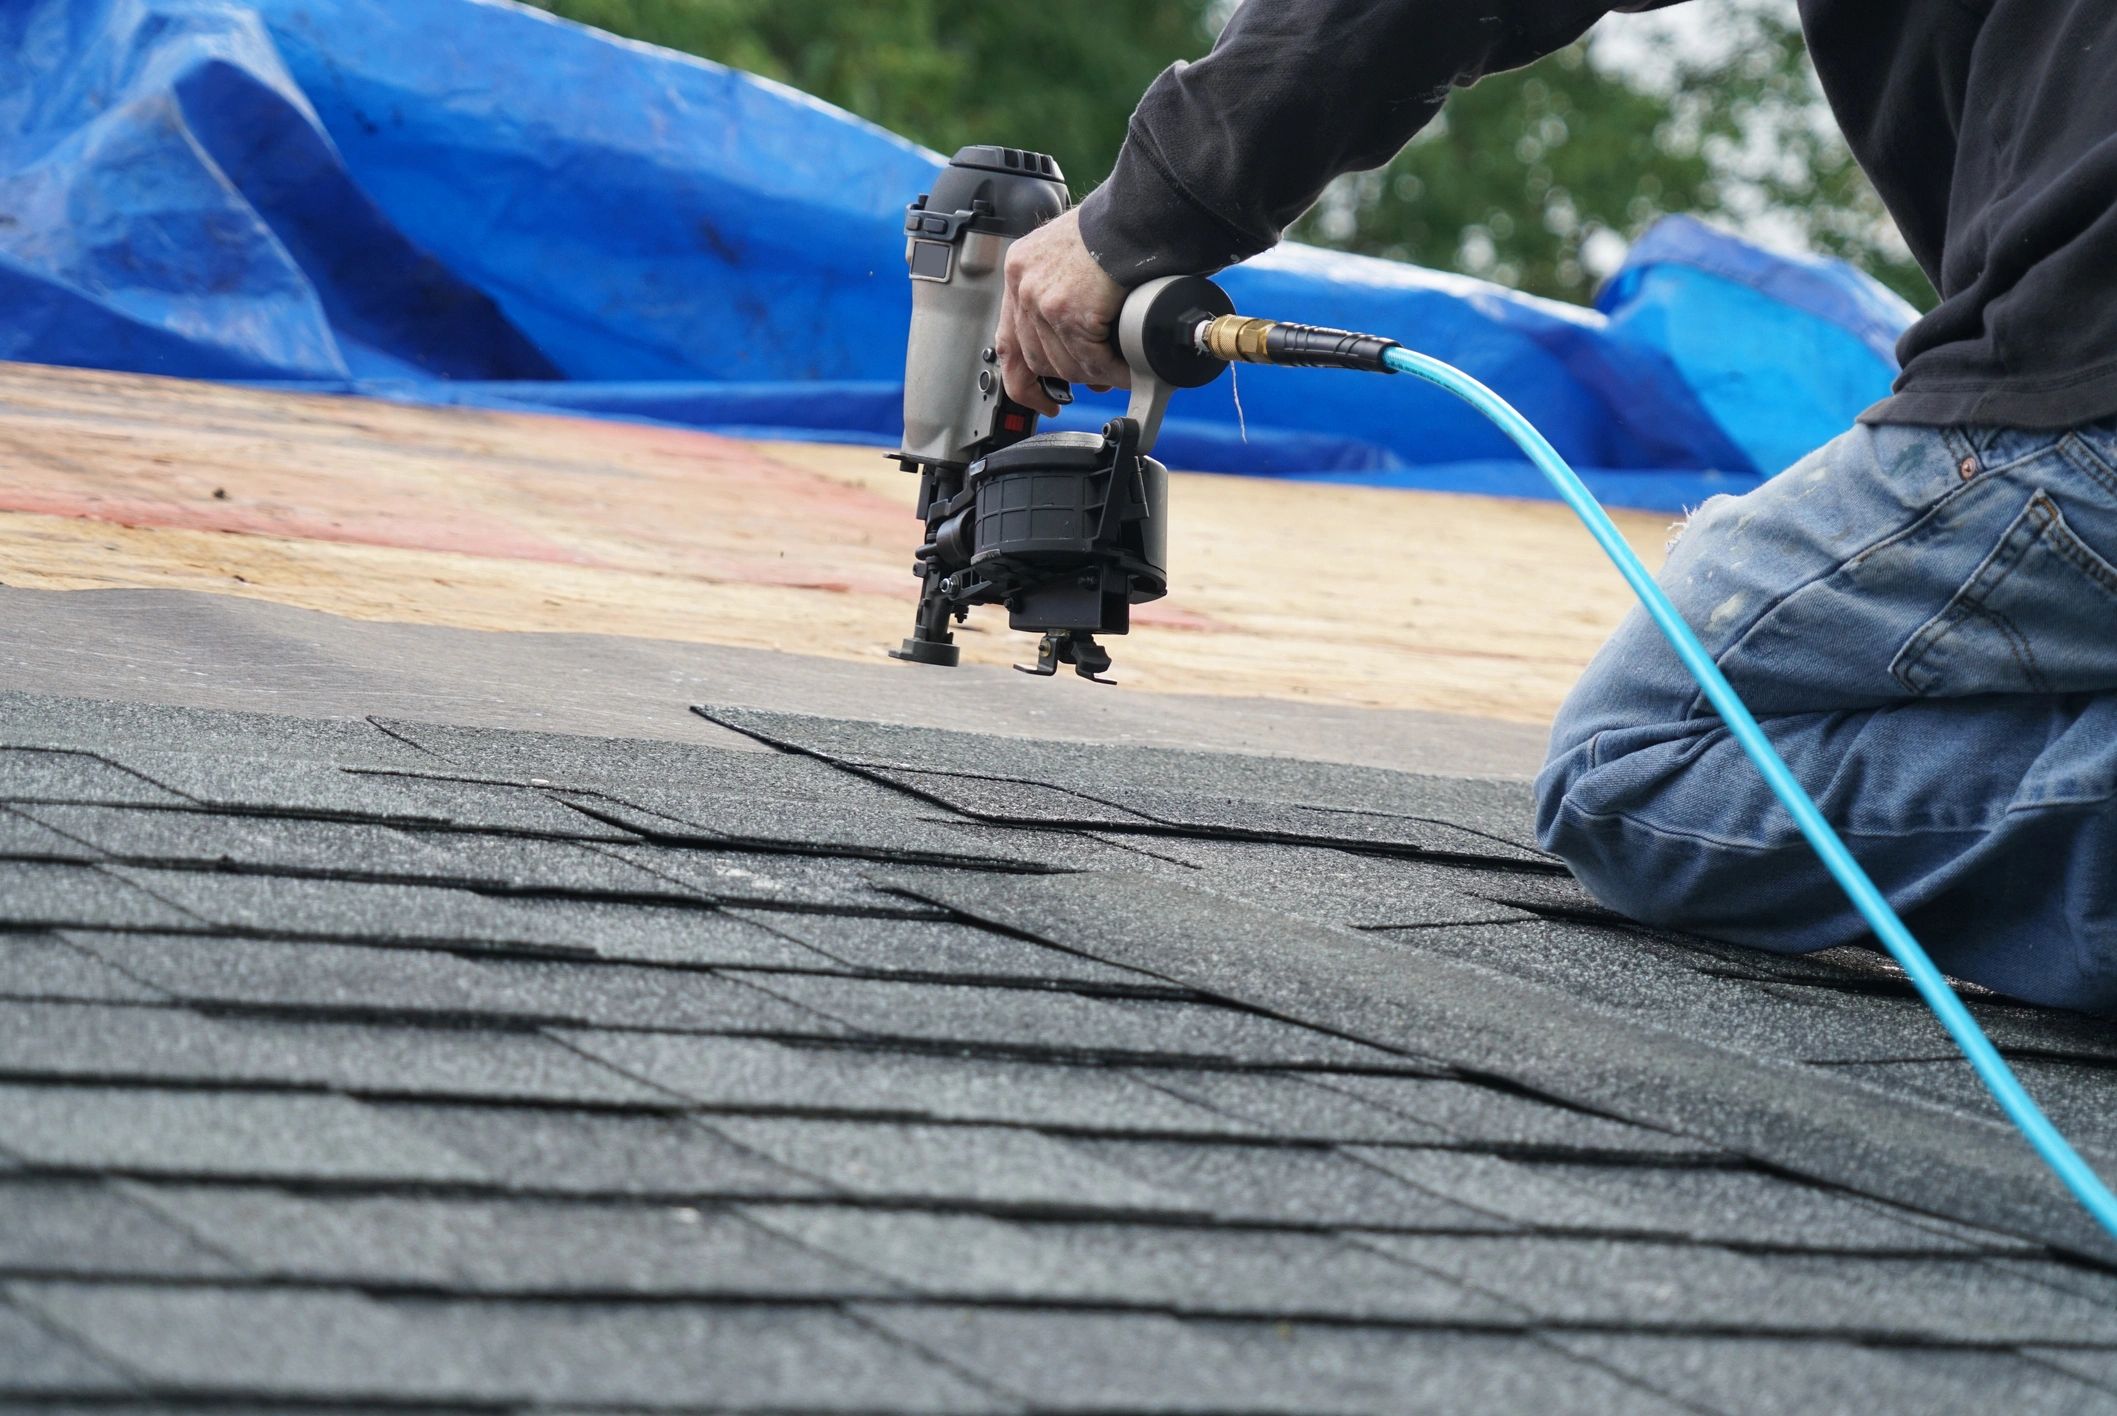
x=1582, y=794
x=1648, y=820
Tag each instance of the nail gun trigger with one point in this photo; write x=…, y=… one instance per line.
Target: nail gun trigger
x=1059, y=391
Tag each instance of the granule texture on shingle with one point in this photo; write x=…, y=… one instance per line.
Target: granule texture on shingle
x=1767, y=1378
x=1326, y=883
x=689, y=934
x=1279, y=1184
x=98, y=724
x=31, y=774
x=349, y=909
x=58, y=896
x=1691, y=1286
x=1704, y=1203
x=775, y=880
x=1066, y=1022
x=24, y=835
x=539, y=864
x=1488, y=1118
x=236, y=1134
x=431, y=982
x=964, y=1165
x=614, y=774
x=293, y=844
x=345, y=1346
x=729, y=1073
x=1146, y=1362
x=176, y=1045
x=1010, y=799
x=34, y=1360
x=944, y=949
x=502, y=1246
x=543, y=1149
x=89, y=1227
x=1183, y=1269
x=1292, y=1107
x=45, y=967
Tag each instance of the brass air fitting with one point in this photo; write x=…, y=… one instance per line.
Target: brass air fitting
x=1237, y=339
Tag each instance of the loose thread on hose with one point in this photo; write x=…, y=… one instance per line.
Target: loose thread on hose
x=1999, y=1079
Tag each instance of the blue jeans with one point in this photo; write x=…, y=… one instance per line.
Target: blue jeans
x=1925, y=622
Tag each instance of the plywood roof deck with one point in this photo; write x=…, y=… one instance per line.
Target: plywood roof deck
x=501, y=521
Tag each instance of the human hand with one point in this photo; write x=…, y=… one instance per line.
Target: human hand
x=1057, y=316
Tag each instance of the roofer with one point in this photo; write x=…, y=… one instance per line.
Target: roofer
x=1923, y=612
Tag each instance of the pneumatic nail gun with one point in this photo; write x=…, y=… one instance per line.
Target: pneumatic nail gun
x=1067, y=530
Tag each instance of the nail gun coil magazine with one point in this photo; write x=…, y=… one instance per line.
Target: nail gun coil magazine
x=1067, y=530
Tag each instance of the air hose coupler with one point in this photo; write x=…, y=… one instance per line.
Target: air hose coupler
x=1239, y=339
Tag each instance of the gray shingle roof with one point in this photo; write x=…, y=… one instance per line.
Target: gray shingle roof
x=357, y=1065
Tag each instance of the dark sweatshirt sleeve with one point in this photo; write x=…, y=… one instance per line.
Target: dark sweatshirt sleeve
x=1223, y=154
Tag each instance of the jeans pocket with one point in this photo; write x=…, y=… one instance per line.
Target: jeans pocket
x=2038, y=615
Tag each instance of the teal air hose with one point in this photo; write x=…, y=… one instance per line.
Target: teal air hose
x=1992, y=1070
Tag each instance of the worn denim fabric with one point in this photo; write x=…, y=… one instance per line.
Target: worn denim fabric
x=1925, y=622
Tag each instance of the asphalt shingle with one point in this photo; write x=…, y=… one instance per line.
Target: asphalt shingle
x=775, y=881
x=466, y=1246
x=159, y=1045
x=345, y=909
x=1066, y=1022
x=1741, y=1207
x=1293, y=1107
x=885, y=826
x=2075, y=1095
x=43, y=966
x=1281, y=1184
x=35, y=1361
x=942, y=949
x=55, y=896
x=1768, y=1378
x=1063, y=1361
x=237, y=1134
x=420, y=1085
x=1694, y=1287
x=29, y=774
x=1192, y=1270
x=80, y=1228
x=1342, y=887
x=346, y=1346
x=970, y=1165
x=23, y=837
x=564, y=761
x=740, y=1074
x=137, y=836
x=545, y=1150
x=1796, y=1118
x=433, y=983
x=1487, y=1117
x=98, y=724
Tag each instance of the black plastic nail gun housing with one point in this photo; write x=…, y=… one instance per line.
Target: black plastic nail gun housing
x=1067, y=530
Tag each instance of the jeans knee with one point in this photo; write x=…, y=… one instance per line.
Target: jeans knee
x=1649, y=821
x=1591, y=842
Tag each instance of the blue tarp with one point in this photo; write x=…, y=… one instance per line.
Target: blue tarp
x=467, y=201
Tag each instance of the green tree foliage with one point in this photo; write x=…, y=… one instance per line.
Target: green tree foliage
x=1535, y=179
x=1517, y=175
x=1061, y=78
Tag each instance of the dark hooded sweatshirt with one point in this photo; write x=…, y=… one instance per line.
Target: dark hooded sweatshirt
x=1988, y=126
